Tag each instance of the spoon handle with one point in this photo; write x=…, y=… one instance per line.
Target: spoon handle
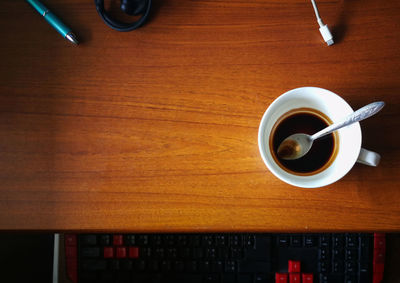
x=359, y=115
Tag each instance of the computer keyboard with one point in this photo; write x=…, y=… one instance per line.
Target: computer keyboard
x=231, y=258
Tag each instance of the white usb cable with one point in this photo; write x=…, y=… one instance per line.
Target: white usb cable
x=323, y=29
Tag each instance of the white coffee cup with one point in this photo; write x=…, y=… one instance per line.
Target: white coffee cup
x=349, y=142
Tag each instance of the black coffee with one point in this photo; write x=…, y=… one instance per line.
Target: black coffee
x=307, y=121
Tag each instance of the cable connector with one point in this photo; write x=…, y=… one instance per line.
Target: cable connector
x=326, y=34
x=323, y=28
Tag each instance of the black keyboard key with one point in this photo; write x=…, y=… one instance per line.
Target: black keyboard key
x=230, y=266
x=208, y=241
x=142, y=240
x=105, y=240
x=93, y=264
x=296, y=241
x=89, y=240
x=172, y=253
x=324, y=241
x=220, y=240
x=123, y=276
x=310, y=241
x=141, y=278
x=90, y=252
x=130, y=240
x=156, y=240
x=323, y=278
x=350, y=279
x=195, y=240
x=235, y=240
x=217, y=266
x=211, y=253
x=331, y=278
x=126, y=264
x=237, y=253
x=106, y=276
x=323, y=266
x=338, y=254
x=205, y=266
x=146, y=252
x=323, y=254
x=153, y=265
x=182, y=240
x=364, y=277
x=338, y=266
x=198, y=253
x=364, y=266
x=283, y=241
x=262, y=252
x=211, y=278
x=115, y=265
x=228, y=278
x=338, y=241
x=170, y=240
x=224, y=253
x=88, y=277
x=182, y=278
x=254, y=266
x=185, y=253
x=139, y=265
x=261, y=278
x=179, y=266
x=191, y=266
x=350, y=267
x=351, y=241
x=150, y=278
x=166, y=266
x=365, y=248
x=245, y=278
x=159, y=253
x=249, y=241
x=351, y=254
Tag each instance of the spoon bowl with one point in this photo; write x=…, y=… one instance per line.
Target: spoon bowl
x=297, y=145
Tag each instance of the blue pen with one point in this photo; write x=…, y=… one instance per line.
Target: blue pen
x=53, y=21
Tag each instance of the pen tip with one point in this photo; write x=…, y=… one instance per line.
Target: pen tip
x=71, y=37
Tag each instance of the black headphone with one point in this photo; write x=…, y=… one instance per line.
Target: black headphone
x=131, y=7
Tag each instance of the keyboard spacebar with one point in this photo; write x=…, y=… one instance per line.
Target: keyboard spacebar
x=254, y=266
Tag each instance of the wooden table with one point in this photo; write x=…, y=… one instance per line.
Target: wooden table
x=156, y=129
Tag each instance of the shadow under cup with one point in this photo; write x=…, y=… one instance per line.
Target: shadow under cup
x=347, y=141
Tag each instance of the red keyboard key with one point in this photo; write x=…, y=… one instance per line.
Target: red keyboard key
x=71, y=257
x=133, y=252
x=379, y=248
x=377, y=278
x=379, y=256
x=121, y=252
x=379, y=241
x=294, y=266
x=118, y=240
x=281, y=277
x=307, y=277
x=70, y=240
x=294, y=278
x=72, y=270
x=70, y=252
x=379, y=267
x=108, y=252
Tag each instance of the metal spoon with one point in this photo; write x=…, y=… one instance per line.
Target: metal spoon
x=297, y=145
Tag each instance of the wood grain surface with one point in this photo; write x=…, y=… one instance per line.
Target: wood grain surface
x=156, y=129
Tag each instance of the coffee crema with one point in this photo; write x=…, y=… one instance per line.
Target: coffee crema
x=308, y=121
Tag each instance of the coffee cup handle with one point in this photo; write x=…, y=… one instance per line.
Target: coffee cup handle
x=368, y=157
